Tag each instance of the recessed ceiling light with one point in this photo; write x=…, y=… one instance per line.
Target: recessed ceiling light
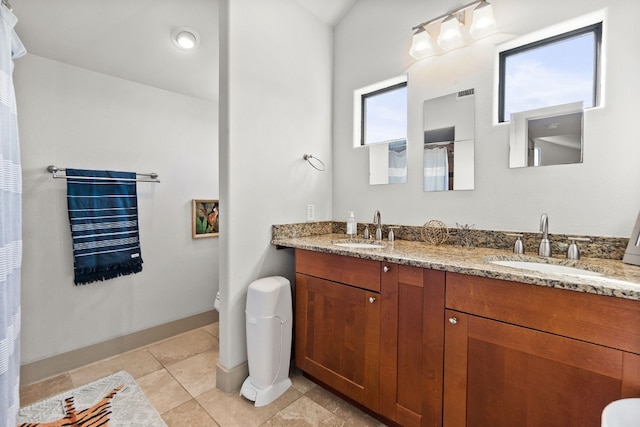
x=185, y=38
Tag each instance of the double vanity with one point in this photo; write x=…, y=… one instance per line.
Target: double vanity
x=448, y=336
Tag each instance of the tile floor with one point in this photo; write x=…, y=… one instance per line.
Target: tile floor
x=178, y=376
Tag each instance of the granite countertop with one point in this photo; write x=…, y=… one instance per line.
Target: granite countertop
x=618, y=279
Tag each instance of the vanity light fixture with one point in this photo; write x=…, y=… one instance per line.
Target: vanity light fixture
x=452, y=23
x=483, y=21
x=422, y=45
x=450, y=35
x=185, y=38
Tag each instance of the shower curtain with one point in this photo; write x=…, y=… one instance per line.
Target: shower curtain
x=398, y=165
x=436, y=169
x=10, y=224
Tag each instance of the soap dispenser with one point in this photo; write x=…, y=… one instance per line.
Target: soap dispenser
x=573, y=252
x=352, y=225
x=518, y=247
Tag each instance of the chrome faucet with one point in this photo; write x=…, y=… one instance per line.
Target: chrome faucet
x=378, y=222
x=545, y=243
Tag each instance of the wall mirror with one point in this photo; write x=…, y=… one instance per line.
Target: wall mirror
x=380, y=123
x=388, y=163
x=546, y=136
x=448, y=146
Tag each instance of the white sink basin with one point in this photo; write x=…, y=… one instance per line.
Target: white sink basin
x=547, y=268
x=358, y=245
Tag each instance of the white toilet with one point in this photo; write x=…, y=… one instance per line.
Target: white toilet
x=269, y=315
x=622, y=413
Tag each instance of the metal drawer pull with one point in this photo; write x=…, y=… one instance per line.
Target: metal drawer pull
x=453, y=320
x=372, y=300
x=386, y=269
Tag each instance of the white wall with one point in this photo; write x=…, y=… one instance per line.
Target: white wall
x=599, y=197
x=72, y=117
x=275, y=102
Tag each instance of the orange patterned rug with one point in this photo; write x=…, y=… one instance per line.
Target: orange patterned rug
x=112, y=401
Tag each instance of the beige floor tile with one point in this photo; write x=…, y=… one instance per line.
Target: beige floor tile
x=188, y=414
x=163, y=391
x=213, y=329
x=137, y=363
x=190, y=361
x=45, y=388
x=197, y=374
x=342, y=409
x=300, y=383
x=305, y=412
x=235, y=411
x=183, y=346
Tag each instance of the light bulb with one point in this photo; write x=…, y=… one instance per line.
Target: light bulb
x=422, y=45
x=483, y=21
x=450, y=36
x=186, y=40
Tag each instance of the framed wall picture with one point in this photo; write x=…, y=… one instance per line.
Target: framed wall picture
x=205, y=221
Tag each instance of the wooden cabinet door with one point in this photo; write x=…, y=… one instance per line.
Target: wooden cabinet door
x=411, y=359
x=502, y=375
x=338, y=337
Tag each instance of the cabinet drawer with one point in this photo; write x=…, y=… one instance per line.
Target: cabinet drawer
x=603, y=320
x=363, y=273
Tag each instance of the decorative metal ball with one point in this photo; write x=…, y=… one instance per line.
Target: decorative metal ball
x=435, y=232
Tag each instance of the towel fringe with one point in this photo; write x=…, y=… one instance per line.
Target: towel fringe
x=84, y=276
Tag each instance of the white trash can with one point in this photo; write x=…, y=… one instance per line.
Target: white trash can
x=622, y=413
x=269, y=315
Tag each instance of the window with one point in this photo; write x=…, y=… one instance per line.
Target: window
x=384, y=115
x=380, y=112
x=554, y=71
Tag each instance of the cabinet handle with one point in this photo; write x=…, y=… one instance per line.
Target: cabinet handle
x=386, y=269
x=453, y=320
x=372, y=300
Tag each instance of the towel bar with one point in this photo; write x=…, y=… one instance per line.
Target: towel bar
x=150, y=177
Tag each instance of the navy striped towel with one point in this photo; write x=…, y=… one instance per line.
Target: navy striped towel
x=103, y=214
